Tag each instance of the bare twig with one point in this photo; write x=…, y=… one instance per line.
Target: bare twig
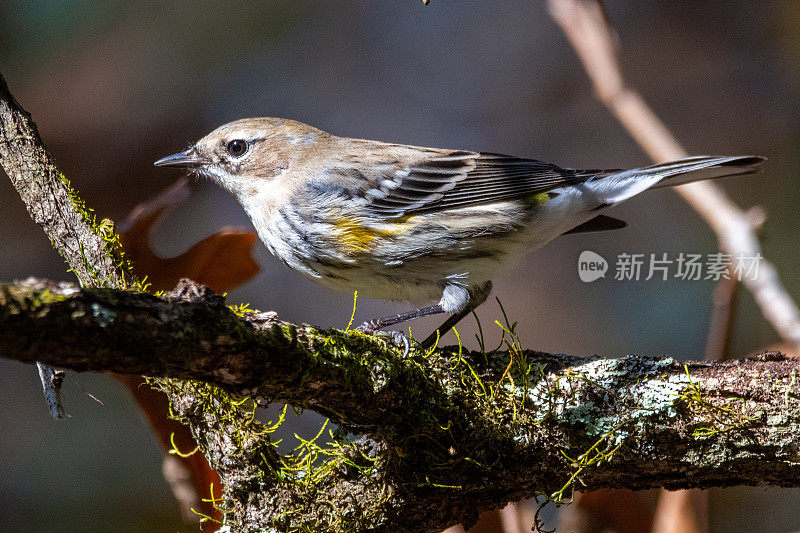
x=723, y=316
x=681, y=511
x=179, y=478
x=51, y=387
x=84, y=245
x=584, y=25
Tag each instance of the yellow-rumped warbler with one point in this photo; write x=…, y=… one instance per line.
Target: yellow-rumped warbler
x=403, y=222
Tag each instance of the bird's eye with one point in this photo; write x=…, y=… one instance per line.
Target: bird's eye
x=237, y=147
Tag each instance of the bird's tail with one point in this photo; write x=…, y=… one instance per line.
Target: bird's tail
x=703, y=167
x=622, y=185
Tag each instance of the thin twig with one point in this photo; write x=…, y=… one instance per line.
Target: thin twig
x=584, y=25
x=51, y=387
x=587, y=30
x=723, y=315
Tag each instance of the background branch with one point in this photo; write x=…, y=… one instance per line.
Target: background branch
x=445, y=434
x=585, y=26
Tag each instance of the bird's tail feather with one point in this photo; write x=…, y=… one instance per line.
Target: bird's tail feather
x=615, y=186
x=704, y=168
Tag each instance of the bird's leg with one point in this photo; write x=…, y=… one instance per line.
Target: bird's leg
x=374, y=326
x=477, y=297
x=451, y=321
x=371, y=326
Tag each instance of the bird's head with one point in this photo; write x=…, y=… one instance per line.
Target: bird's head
x=246, y=153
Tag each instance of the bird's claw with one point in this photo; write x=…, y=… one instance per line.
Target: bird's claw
x=369, y=327
x=395, y=338
x=398, y=339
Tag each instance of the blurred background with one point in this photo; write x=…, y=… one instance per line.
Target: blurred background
x=115, y=86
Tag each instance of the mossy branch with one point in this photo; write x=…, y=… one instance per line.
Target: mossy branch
x=444, y=434
x=447, y=433
x=90, y=248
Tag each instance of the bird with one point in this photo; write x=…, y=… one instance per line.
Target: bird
x=409, y=223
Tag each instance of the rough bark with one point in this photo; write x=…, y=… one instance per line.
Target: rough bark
x=447, y=433
x=88, y=247
x=443, y=434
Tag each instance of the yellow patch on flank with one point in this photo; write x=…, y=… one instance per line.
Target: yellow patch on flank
x=357, y=237
x=540, y=198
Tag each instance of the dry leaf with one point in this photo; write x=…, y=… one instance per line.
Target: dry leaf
x=222, y=261
x=618, y=511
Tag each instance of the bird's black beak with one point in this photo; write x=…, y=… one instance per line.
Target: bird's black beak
x=186, y=159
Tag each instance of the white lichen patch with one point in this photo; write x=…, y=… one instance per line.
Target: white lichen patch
x=660, y=394
x=225, y=375
x=778, y=418
x=580, y=394
x=102, y=315
x=68, y=289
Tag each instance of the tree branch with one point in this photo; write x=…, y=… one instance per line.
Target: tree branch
x=449, y=433
x=584, y=25
x=89, y=248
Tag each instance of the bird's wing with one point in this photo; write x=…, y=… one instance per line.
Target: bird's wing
x=449, y=179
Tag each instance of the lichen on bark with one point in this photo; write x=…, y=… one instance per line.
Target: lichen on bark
x=422, y=442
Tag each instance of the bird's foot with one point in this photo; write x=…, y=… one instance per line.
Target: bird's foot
x=395, y=338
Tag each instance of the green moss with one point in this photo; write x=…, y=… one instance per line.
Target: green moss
x=307, y=468
x=600, y=452
x=14, y=300
x=111, y=246
x=713, y=418
x=242, y=310
x=43, y=298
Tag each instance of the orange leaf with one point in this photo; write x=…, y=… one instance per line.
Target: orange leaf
x=221, y=261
